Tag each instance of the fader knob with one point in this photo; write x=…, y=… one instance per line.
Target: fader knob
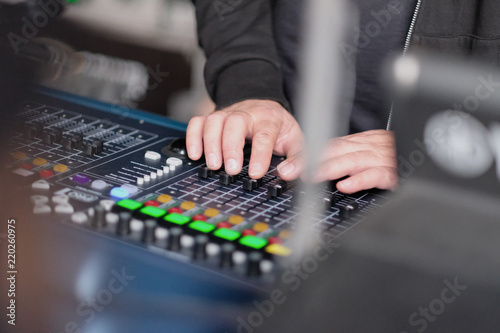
x=124, y=223
x=253, y=264
x=148, y=233
x=200, y=247
x=174, y=239
x=99, y=220
x=226, y=255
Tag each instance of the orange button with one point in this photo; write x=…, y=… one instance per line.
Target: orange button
x=188, y=205
x=19, y=155
x=278, y=249
x=260, y=227
x=211, y=212
x=164, y=198
x=285, y=234
x=235, y=219
x=39, y=161
x=60, y=168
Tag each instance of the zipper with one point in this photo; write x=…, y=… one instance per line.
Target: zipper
x=409, y=35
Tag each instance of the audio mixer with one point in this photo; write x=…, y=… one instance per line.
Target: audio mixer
x=124, y=175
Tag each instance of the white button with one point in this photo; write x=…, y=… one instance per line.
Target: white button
x=213, y=249
x=60, y=199
x=147, y=178
x=107, y=204
x=239, y=257
x=39, y=199
x=187, y=241
x=136, y=225
x=64, y=209
x=152, y=175
x=161, y=233
x=79, y=218
x=112, y=218
x=99, y=185
x=165, y=169
x=140, y=180
x=23, y=172
x=41, y=209
x=132, y=189
x=266, y=266
x=174, y=161
x=40, y=185
x=159, y=172
x=152, y=155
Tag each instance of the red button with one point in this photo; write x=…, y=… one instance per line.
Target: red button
x=223, y=225
x=274, y=240
x=26, y=166
x=152, y=203
x=175, y=210
x=46, y=173
x=249, y=232
x=199, y=217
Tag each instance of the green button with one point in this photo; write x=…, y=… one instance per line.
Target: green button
x=129, y=204
x=177, y=218
x=153, y=211
x=202, y=226
x=227, y=234
x=252, y=241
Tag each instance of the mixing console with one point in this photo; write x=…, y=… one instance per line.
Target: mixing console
x=127, y=177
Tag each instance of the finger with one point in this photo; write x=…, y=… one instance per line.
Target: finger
x=263, y=142
x=347, y=164
x=233, y=141
x=292, y=167
x=194, y=137
x=384, y=178
x=212, y=139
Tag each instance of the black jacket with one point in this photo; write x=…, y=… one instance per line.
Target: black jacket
x=244, y=59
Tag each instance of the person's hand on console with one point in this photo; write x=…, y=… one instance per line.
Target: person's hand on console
x=368, y=159
x=221, y=135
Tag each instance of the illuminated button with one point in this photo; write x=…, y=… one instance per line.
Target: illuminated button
x=211, y=212
x=174, y=161
x=26, y=166
x=152, y=155
x=199, y=217
x=249, y=232
x=60, y=199
x=253, y=242
x=260, y=227
x=39, y=161
x=279, y=250
x=147, y=178
x=81, y=178
x=99, y=185
x=285, y=234
x=274, y=240
x=153, y=203
x=164, y=198
x=153, y=211
x=227, y=234
x=19, y=155
x=152, y=175
x=235, y=219
x=129, y=204
x=188, y=205
x=202, y=226
x=60, y=168
x=64, y=209
x=79, y=218
x=132, y=189
x=175, y=210
x=119, y=193
x=40, y=185
x=177, y=218
x=222, y=225
x=46, y=173
x=140, y=180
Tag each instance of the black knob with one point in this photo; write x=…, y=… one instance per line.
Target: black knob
x=226, y=255
x=68, y=144
x=47, y=138
x=98, y=145
x=174, y=239
x=124, y=223
x=99, y=219
x=253, y=263
x=347, y=210
x=89, y=150
x=148, y=233
x=200, y=247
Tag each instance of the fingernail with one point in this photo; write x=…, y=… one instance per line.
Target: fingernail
x=286, y=168
x=345, y=183
x=193, y=151
x=254, y=169
x=212, y=160
x=231, y=166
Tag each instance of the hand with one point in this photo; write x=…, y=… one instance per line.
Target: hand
x=368, y=158
x=222, y=135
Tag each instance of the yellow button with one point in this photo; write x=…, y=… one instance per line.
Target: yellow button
x=60, y=168
x=164, y=198
x=187, y=205
x=278, y=249
x=211, y=212
x=285, y=234
x=235, y=219
x=19, y=155
x=39, y=161
x=260, y=227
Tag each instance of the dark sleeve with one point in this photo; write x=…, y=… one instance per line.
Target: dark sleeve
x=242, y=61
